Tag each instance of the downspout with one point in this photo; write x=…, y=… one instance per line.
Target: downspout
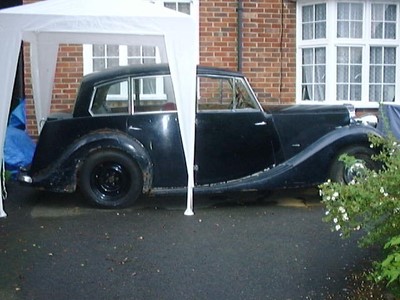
x=239, y=35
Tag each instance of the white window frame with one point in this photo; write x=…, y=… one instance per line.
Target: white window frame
x=331, y=42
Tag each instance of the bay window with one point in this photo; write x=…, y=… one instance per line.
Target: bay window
x=348, y=52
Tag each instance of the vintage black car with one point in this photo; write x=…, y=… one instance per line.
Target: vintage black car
x=123, y=140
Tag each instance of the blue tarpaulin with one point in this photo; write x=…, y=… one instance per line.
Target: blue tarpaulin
x=19, y=147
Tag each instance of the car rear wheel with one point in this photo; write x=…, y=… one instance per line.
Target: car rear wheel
x=345, y=173
x=111, y=179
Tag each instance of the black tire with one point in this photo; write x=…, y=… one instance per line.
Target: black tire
x=110, y=179
x=345, y=174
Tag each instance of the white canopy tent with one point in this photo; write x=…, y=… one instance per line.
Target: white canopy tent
x=46, y=24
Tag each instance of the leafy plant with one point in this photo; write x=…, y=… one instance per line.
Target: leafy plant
x=371, y=204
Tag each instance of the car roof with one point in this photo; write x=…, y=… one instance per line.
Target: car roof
x=149, y=69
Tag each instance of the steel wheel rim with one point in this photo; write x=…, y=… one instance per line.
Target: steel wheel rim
x=110, y=180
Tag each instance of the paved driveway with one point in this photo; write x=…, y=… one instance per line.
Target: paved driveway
x=235, y=247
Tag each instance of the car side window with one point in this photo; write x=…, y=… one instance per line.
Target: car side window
x=110, y=98
x=153, y=93
x=223, y=93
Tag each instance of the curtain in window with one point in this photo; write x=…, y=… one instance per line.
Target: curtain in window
x=383, y=19
x=382, y=74
x=349, y=73
x=349, y=20
x=314, y=22
x=313, y=71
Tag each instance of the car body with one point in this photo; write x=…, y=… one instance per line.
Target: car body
x=123, y=139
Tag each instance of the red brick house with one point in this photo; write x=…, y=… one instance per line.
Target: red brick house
x=304, y=51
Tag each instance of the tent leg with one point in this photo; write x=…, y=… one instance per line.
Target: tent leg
x=3, y=192
x=189, y=208
x=2, y=212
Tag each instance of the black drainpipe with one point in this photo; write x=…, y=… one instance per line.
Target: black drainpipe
x=240, y=35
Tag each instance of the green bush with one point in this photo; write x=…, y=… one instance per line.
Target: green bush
x=371, y=204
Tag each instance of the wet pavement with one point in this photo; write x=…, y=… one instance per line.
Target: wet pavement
x=242, y=246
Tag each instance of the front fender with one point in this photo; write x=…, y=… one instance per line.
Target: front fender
x=309, y=167
x=62, y=174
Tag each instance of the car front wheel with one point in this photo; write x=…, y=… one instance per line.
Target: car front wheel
x=110, y=179
x=345, y=173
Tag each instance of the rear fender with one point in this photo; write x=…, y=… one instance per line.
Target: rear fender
x=63, y=176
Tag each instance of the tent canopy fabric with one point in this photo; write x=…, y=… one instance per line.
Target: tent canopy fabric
x=46, y=24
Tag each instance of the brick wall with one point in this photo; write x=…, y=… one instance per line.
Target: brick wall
x=268, y=51
x=269, y=44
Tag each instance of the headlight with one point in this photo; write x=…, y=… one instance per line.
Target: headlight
x=370, y=120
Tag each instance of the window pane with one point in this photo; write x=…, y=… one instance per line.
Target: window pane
x=390, y=31
x=343, y=55
x=389, y=74
x=341, y=91
x=307, y=31
x=342, y=73
x=112, y=62
x=133, y=50
x=375, y=74
x=170, y=5
x=343, y=11
x=357, y=11
x=320, y=57
x=376, y=55
x=390, y=13
x=320, y=12
x=356, y=55
x=390, y=55
x=133, y=61
x=184, y=8
x=307, y=56
x=112, y=50
x=98, y=64
x=99, y=50
x=388, y=93
x=319, y=92
x=375, y=93
x=320, y=74
x=149, y=86
x=313, y=74
x=307, y=13
x=355, y=74
x=355, y=92
x=342, y=29
x=149, y=51
x=320, y=29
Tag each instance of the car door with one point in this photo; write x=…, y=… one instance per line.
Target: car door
x=234, y=137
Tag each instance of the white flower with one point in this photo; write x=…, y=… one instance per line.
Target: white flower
x=335, y=220
x=335, y=194
x=337, y=227
x=345, y=217
x=371, y=146
x=341, y=209
x=327, y=213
